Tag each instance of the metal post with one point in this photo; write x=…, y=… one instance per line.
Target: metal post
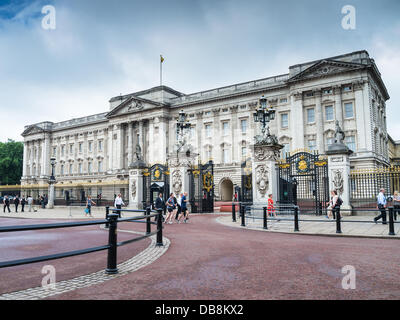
x=242, y=210
x=112, y=242
x=296, y=218
x=159, y=230
x=233, y=212
x=391, y=222
x=107, y=214
x=148, y=225
x=338, y=218
x=265, y=218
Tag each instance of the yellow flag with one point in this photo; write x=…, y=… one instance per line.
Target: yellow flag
x=161, y=58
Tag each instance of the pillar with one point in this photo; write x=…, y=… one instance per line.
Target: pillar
x=135, y=189
x=319, y=122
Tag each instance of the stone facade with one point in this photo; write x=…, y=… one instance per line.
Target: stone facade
x=307, y=100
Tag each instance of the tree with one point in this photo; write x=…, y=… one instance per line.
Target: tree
x=11, y=159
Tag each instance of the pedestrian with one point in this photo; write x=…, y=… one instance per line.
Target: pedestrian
x=159, y=206
x=331, y=205
x=89, y=204
x=30, y=202
x=184, y=209
x=23, y=202
x=16, y=202
x=381, y=205
x=179, y=207
x=396, y=204
x=118, y=203
x=270, y=207
x=6, y=203
x=170, y=208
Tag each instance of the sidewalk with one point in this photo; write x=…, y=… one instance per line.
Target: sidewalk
x=363, y=228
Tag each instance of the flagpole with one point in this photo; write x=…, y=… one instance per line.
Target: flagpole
x=160, y=70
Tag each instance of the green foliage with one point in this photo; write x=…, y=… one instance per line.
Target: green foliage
x=11, y=159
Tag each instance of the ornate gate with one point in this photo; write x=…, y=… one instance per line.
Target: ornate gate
x=246, y=187
x=155, y=180
x=201, y=188
x=303, y=181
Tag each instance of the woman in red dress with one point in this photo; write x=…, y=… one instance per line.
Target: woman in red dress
x=270, y=207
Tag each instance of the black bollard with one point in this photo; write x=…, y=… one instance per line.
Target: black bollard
x=338, y=218
x=159, y=230
x=148, y=225
x=265, y=218
x=233, y=212
x=112, y=242
x=107, y=213
x=296, y=218
x=242, y=212
x=391, y=222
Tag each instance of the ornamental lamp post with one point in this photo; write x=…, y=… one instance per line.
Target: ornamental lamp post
x=264, y=115
x=181, y=124
x=52, y=181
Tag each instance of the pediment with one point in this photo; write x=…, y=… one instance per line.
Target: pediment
x=131, y=105
x=32, y=130
x=325, y=68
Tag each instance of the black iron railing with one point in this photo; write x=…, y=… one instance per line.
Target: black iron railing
x=111, y=223
x=244, y=208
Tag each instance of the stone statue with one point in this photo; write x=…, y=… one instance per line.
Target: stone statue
x=138, y=152
x=339, y=134
x=262, y=179
x=338, y=181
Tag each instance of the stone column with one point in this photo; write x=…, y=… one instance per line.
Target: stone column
x=135, y=188
x=45, y=168
x=361, y=112
x=265, y=182
x=25, y=160
x=130, y=143
x=50, y=204
x=38, y=158
x=235, y=133
x=216, y=150
x=338, y=104
x=320, y=122
x=296, y=120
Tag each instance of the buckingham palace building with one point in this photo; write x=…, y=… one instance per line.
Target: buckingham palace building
x=94, y=153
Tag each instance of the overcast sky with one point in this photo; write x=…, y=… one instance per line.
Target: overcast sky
x=100, y=49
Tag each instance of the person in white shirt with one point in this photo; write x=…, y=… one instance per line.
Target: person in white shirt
x=178, y=212
x=30, y=202
x=118, y=203
x=332, y=204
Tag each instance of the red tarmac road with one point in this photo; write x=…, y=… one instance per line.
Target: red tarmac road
x=208, y=260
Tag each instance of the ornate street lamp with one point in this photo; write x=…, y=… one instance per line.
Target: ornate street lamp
x=52, y=181
x=182, y=124
x=264, y=115
x=53, y=163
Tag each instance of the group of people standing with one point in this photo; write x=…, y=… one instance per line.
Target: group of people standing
x=382, y=205
x=17, y=201
x=175, y=207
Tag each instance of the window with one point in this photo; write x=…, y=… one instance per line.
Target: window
x=192, y=132
x=350, y=142
x=70, y=168
x=80, y=147
x=311, y=115
x=225, y=128
x=80, y=168
x=89, y=167
x=348, y=110
x=226, y=156
x=327, y=91
x=209, y=152
x=208, y=130
x=207, y=113
x=100, y=145
x=243, y=125
x=284, y=120
x=62, y=169
x=309, y=94
x=100, y=166
x=329, y=113
x=71, y=148
x=54, y=151
x=311, y=145
x=329, y=141
x=285, y=149
x=347, y=88
x=244, y=152
x=62, y=150
x=90, y=146
x=283, y=100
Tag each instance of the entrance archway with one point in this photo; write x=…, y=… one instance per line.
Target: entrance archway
x=226, y=190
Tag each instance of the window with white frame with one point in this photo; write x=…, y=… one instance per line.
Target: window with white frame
x=284, y=120
x=312, y=144
x=100, y=166
x=54, y=151
x=329, y=141
x=244, y=152
x=225, y=128
x=90, y=146
x=350, y=142
x=226, y=155
x=80, y=147
x=62, y=150
x=80, y=168
x=208, y=130
x=89, y=167
x=285, y=149
x=348, y=110
x=329, y=113
x=243, y=125
x=62, y=169
x=310, y=115
x=70, y=168
x=100, y=145
x=208, y=152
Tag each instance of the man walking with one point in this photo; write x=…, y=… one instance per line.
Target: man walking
x=23, y=202
x=118, y=203
x=381, y=206
x=159, y=205
x=6, y=203
x=16, y=202
x=30, y=202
